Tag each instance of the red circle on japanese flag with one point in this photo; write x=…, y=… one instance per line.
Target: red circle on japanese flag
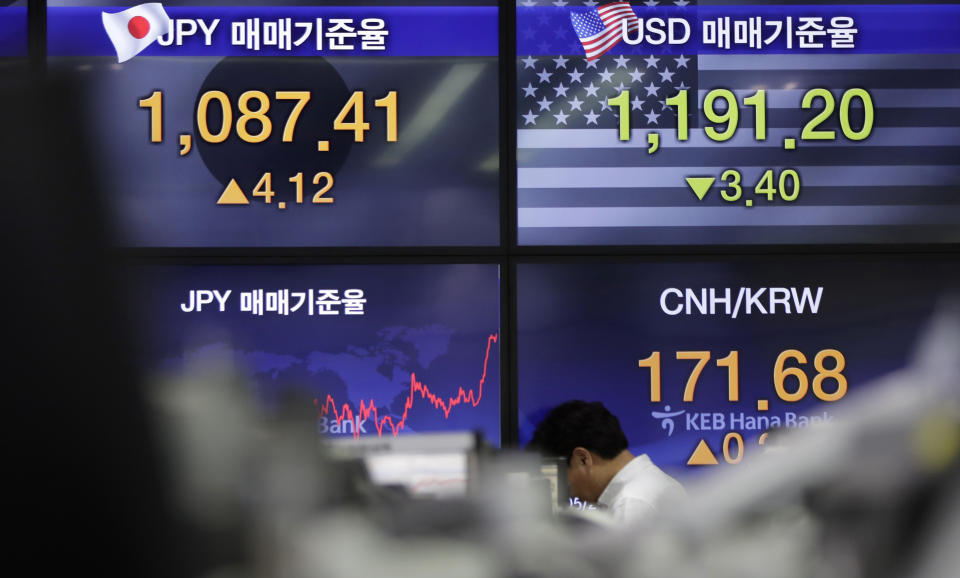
x=138, y=27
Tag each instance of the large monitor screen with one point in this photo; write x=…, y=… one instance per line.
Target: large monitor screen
x=289, y=124
x=717, y=122
x=700, y=359
x=382, y=350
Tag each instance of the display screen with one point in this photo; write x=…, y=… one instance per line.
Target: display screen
x=427, y=474
x=13, y=29
x=700, y=359
x=382, y=350
x=289, y=124
x=729, y=123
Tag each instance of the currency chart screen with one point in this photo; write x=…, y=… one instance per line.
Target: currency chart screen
x=737, y=123
x=700, y=359
x=290, y=124
x=381, y=350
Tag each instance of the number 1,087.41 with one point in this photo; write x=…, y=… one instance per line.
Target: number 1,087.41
x=350, y=118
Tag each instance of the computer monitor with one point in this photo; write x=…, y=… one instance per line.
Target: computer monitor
x=438, y=465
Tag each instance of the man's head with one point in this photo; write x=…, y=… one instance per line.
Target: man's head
x=590, y=438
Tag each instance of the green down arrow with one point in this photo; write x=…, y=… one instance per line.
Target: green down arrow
x=700, y=185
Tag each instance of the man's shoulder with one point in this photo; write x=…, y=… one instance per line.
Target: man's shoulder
x=627, y=508
x=649, y=483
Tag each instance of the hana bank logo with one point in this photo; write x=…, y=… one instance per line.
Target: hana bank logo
x=135, y=28
x=666, y=418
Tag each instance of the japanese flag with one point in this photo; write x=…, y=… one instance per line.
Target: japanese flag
x=135, y=28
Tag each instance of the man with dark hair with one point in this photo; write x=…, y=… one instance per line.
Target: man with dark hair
x=600, y=468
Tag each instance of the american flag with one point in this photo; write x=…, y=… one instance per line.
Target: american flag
x=578, y=184
x=600, y=29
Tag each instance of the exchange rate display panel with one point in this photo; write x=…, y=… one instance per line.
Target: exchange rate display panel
x=291, y=124
x=382, y=350
x=13, y=30
x=731, y=123
x=699, y=360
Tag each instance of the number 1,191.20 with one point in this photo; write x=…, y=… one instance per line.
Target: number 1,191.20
x=726, y=118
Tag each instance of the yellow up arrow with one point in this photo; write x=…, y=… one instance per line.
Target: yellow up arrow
x=233, y=195
x=702, y=456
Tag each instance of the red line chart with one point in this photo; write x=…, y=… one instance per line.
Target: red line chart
x=367, y=409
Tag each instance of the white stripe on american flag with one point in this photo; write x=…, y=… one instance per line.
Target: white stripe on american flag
x=618, y=7
x=611, y=19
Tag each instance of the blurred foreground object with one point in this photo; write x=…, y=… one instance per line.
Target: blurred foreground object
x=85, y=489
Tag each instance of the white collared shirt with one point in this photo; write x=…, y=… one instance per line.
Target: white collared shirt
x=640, y=490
